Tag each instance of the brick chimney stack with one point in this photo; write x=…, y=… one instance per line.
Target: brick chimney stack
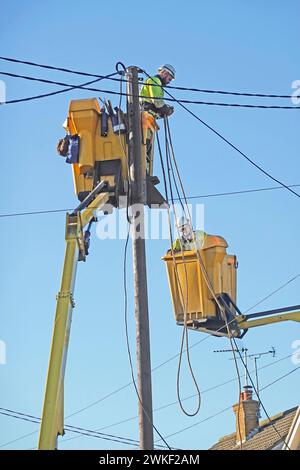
x=247, y=417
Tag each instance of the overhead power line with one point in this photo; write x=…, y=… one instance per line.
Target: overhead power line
x=85, y=87
x=17, y=214
x=44, y=95
x=198, y=90
x=200, y=196
x=75, y=429
x=36, y=420
x=60, y=69
x=69, y=87
x=272, y=293
x=245, y=191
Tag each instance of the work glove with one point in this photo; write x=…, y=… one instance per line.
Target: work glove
x=166, y=110
x=170, y=110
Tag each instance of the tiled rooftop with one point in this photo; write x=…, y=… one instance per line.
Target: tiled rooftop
x=265, y=438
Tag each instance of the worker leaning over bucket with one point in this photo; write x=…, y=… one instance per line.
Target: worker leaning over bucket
x=153, y=93
x=189, y=239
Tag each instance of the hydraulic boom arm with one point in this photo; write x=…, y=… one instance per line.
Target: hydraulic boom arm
x=52, y=423
x=268, y=317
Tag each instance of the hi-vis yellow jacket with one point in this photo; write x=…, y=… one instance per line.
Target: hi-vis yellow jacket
x=153, y=94
x=195, y=244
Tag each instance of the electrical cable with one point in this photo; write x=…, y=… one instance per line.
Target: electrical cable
x=232, y=193
x=230, y=144
x=90, y=405
x=185, y=300
x=60, y=69
x=203, y=269
x=84, y=87
x=175, y=268
x=70, y=87
x=75, y=429
x=272, y=293
x=233, y=105
x=280, y=378
x=199, y=90
x=36, y=420
x=185, y=331
x=133, y=441
x=20, y=438
x=206, y=277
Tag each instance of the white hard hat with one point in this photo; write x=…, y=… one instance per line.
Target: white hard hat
x=182, y=222
x=168, y=68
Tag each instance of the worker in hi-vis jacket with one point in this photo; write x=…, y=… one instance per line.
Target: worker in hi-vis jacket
x=189, y=239
x=153, y=93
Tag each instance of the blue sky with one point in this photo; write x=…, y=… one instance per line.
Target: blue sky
x=234, y=45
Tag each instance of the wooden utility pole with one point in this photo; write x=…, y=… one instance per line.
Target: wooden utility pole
x=137, y=200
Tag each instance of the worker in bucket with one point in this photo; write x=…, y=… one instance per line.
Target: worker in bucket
x=189, y=239
x=153, y=93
